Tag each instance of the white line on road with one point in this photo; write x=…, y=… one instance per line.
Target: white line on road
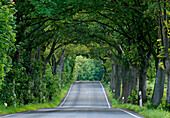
x=105, y=95
x=129, y=113
x=66, y=96
x=14, y=114
x=7, y=116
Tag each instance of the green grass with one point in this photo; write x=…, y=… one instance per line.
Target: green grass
x=144, y=111
x=30, y=107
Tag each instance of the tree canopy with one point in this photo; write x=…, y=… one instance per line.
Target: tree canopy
x=41, y=42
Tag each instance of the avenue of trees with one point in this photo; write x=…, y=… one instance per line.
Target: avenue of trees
x=40, y=41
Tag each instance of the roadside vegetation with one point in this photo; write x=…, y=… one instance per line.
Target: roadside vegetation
x=47, y=44
x=35, y=106
x=147, y=110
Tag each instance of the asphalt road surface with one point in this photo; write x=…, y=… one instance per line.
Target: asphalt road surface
x=83, y=100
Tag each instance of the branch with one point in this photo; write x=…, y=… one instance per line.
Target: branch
x=107, y=42
x=35, y=30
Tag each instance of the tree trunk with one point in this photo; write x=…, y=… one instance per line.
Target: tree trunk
x=118, y=81
x=105, y=75
x=142, y=83
x=61, y=66
x=143, y=77
x=159, y=86
x=54, y=66
x=168, y=89
x=165, y=42
x=167, y=60
x=48, y=58
x=126, y=85
x=133, y=79
x=160, y=75
x=38, y=52
x=113, y=78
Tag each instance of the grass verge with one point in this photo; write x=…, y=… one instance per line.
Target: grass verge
x=33, y=106
x=144, y=111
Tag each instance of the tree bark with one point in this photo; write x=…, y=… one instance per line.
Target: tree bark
x=142, y=84
x=54, y=66
x=61, y=66
x=160, y=75
x=126, y=85
x=133, y=79
x=159, y=86
x=48, y=58
x=113, y=78
x=165, y=42
x=167, y=60
x=143, y=77
x=118, y=81
x=168, y=89
x=38, y=52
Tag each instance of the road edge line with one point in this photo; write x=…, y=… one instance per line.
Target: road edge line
x=66, y=95
x=105, y=95
x=129, y=113
x=8, y=115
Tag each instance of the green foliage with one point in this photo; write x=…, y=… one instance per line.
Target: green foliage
x=163, y=105
x=52, y=86
x=29, y=87
x=133, y=99
x=7, y=37
x=67, y=74
x=88, y=69
x=34, y=106
x=144, y=111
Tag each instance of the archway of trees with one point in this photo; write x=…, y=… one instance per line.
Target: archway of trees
x=40, y=40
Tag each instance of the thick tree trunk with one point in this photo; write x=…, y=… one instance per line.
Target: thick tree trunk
x=160, y=75
x=159, y=86
x=143, y=77
x=48, y=58
x=118, y=81
x=168, y=89
x=113, y=78
x=54, y=66
x=61, y=65
x=142, y=83
x=126, y=85
x=105, y=74
x=166, y=43
x=122, y=79
x=60, y=69
x=133, y=79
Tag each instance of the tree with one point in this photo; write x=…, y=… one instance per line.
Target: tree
x=7, y=37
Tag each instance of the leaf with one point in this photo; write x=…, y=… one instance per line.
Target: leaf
x=161, y=65
x=158, y=40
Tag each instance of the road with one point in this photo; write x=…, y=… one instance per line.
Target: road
x=83, y=100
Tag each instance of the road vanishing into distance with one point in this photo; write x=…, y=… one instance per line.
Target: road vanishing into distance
x=83, y=100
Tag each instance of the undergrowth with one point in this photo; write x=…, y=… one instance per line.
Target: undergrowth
x=34, y=106
x=144, y=111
